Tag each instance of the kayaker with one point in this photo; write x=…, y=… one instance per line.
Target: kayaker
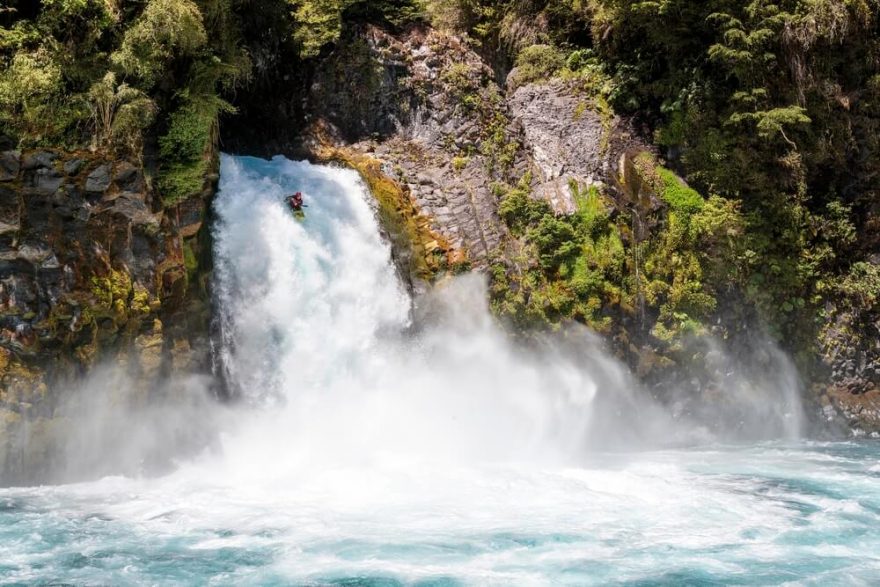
x=296, y=202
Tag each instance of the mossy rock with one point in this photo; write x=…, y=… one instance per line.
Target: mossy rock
x=429, y=254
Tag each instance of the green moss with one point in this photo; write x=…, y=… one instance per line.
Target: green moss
x=180, y=181
x=190, y=260
x=409, y=230
x=537, y=63
x=140, y=301
x=518, y=209
x=678, y=194
x=463, y=85
x=459, y=163
x=112, y=294
x=187, y=149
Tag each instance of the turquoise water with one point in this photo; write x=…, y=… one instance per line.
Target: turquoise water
x=764, y=515
x=386, y=441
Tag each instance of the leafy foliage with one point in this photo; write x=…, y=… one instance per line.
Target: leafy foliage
x=166, y=29
x=120, y=114
x=187, y=147
x=537, y=62
x=107, y=75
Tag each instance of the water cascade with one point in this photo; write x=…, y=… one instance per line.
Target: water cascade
x=383, y=441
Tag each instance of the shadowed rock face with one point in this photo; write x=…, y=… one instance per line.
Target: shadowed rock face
x=851, y=355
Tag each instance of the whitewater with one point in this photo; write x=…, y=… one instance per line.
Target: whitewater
x=377, y=439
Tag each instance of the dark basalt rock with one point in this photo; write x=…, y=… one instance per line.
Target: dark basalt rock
x=73, y=166
x=128, y=177
x=99, y=179
x=38, y=159
x=10, y=164
x=87, y=269
x=46, y=181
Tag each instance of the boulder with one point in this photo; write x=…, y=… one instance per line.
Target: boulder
x=46, y=181
x=569, y=140
x=73, y=166
x=128, y=177
x=39, y=159
x=98, y=180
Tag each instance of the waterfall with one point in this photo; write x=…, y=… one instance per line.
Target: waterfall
x=316, y=325
x=317, y=328
x=381, y=440
x=299, y=300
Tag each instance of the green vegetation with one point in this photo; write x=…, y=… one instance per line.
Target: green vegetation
x=318, y=23
x=595, y=266
x=769, y=109
x=537, y=62
x=766, y=116
x=581, y=260
x=90, y=73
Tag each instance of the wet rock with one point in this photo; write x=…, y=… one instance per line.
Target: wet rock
x=98, y=180
x=34, y=253
x=9, y=165
x=132, y=207
x=81, y=279
x=10, y=210
x=861, y=409
x=192, y=216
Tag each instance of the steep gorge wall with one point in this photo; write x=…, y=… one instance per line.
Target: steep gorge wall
x=422, y=111
x=93, y=271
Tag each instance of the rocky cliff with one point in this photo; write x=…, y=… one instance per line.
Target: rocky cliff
x=566, y=206
x=425, y=119
x=426, y=107
x=93, y=271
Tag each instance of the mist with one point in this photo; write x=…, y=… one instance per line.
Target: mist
x=332, y=364
x=110, y=424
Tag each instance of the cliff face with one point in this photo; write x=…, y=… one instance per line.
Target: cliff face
x=423, y=110
x=419, y=105
x=425, y=105
x=540, y=185
x=92, y=271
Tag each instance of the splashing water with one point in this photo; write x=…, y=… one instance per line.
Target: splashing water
x=317, y=325
x=380, y=444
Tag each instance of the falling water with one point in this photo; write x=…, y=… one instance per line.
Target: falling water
x=380, y=440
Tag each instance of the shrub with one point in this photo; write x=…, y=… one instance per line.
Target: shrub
x=33, y=104
x=166, y=29
x=862, y=284
x=519, y=210
x=556, y=240
x=536, y=63
x=186, y=148
x=120, y=114
x=680, y=197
